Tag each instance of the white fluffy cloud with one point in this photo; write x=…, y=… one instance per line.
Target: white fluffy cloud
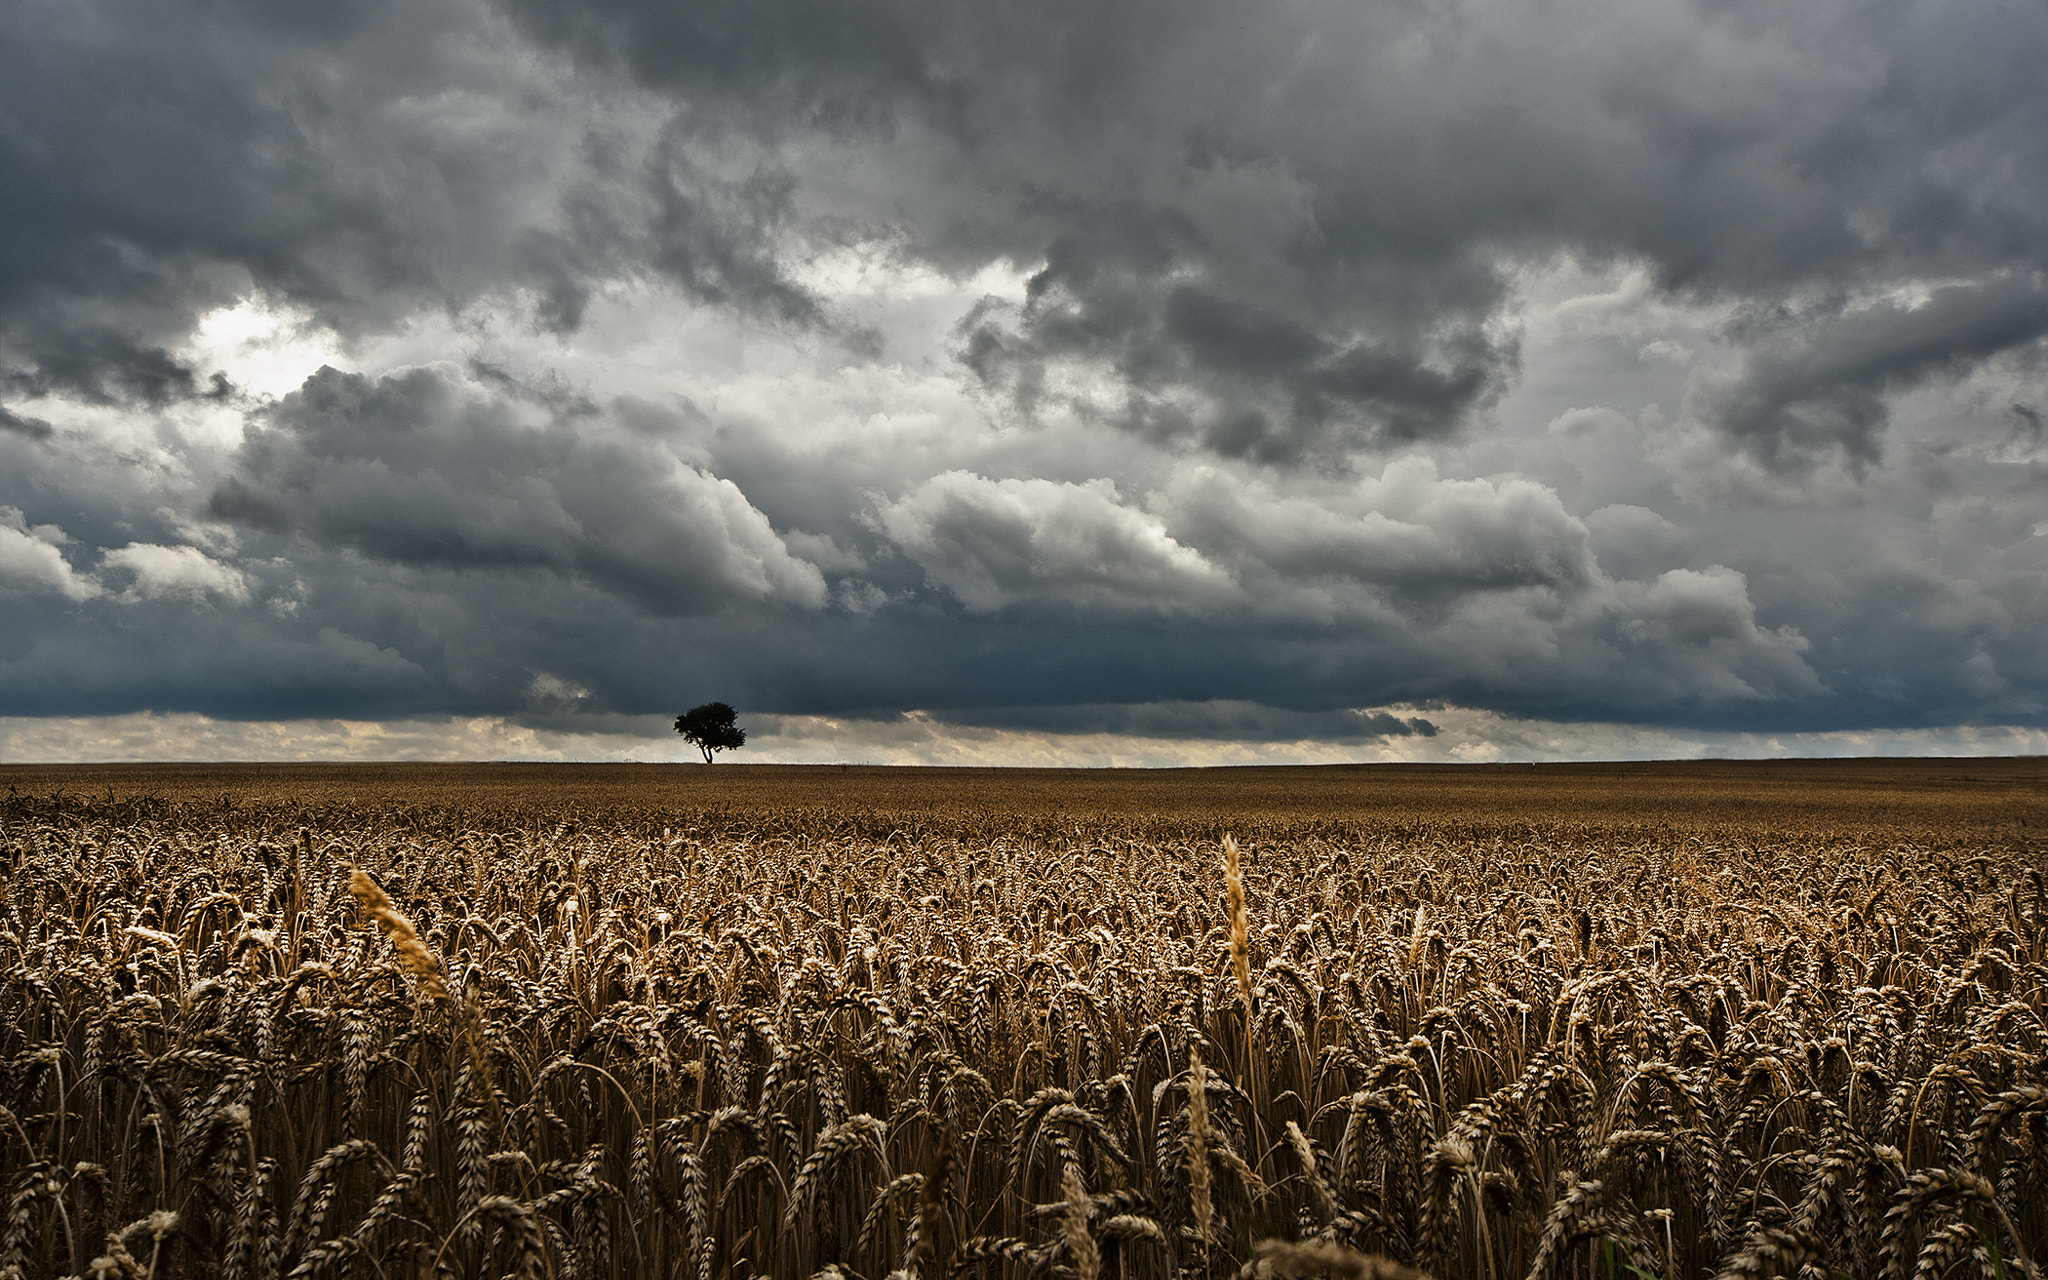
x=30, y=559
x=1701, y=627
x=1408, y=529
x=160, y=571
x=998, y=543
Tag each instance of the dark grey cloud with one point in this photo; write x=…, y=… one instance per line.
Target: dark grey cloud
x=426, y=468
x=1229, y=721
x=713, y=237
x=669, y=363
x=1635, y=542
x=174, y=656
x=26, y=427
x=469, y=534
x=1292, y=236
x=157, y=160
x=101, y=365
x=331, y=632
x=1264, y=386
x=2026, y=423
x=1813, y=384
x=1285, y=239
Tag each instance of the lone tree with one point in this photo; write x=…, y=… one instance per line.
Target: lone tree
x=710, y=728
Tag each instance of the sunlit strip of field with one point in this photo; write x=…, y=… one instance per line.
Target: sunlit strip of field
x=1927, y=799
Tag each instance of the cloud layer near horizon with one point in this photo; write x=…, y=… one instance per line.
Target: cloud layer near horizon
x=1033, y=368
x=1166, y=736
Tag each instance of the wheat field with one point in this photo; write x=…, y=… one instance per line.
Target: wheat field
x=1623, y=1021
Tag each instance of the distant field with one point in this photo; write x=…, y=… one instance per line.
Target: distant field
x=1655, y=1020
x=1931, y=799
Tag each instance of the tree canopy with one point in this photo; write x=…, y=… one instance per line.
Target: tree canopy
x=710, y=728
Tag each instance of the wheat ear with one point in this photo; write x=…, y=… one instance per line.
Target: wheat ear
x=414, y=955
x=1074, y=1226
x=1240, y=926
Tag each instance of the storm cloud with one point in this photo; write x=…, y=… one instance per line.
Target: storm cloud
x=1821, y=382
x=426, y=468
x=1124, y=369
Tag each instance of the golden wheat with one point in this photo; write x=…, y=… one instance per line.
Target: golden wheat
x=276, y=1038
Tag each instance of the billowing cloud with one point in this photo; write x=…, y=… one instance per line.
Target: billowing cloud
x=1407, y=530
x=1633, y=541
x=1814, y=384
x=176, y=571
x=1703, y=626
x=426, y=467
x=31, y=558
x=997, y=543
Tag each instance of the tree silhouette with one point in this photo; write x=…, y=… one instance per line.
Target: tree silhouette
x=710, y=728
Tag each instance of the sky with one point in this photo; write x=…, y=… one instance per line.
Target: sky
x=1118, y=382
